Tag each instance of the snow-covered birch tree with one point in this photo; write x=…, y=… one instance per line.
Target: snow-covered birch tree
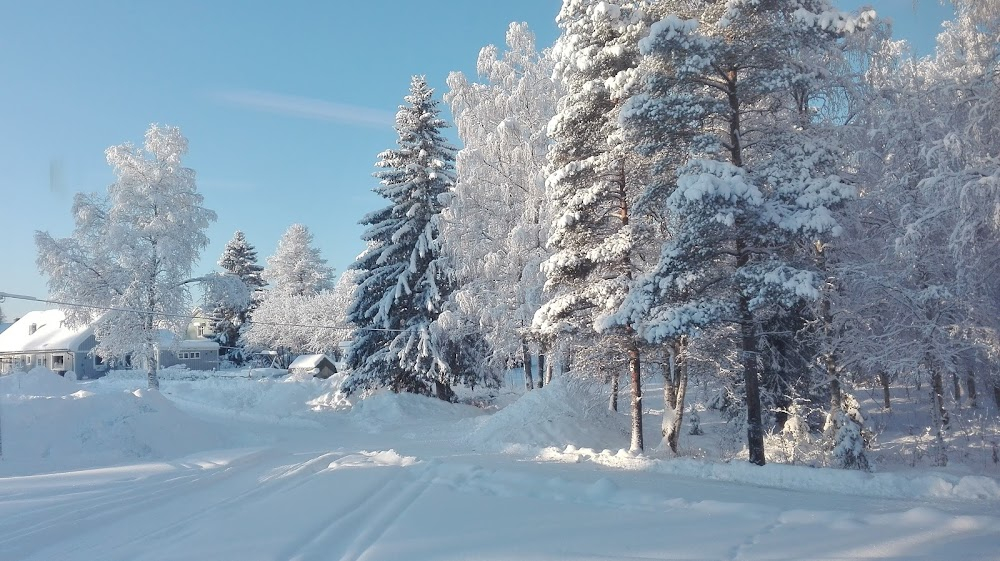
x=921, y=292
x=132, y=250
x=403, y=278
x=498, y=220
x=286, y=315
x=297, y=268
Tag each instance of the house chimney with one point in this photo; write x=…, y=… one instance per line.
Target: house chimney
x=32, y=328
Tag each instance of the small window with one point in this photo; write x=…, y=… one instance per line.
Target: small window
x=195, y=355
x=57, y=361
x=183, y=356
x=201, y=330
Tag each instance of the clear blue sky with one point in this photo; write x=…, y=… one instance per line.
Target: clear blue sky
x=285, y=104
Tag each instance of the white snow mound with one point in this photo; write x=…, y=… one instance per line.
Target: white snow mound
x=39, y=382
x=924, y=485
x=560, y=414
x=80, y=429
x=385, y=411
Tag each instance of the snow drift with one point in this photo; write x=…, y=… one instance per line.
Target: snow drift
x=52, y=423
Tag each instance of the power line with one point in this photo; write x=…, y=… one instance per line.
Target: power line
x=4, y=295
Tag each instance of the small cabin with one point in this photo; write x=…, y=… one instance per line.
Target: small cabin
x=320, y=366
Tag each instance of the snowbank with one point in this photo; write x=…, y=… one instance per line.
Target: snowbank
x=39, y=382
x=563, y=412
x=50, y=423
x=386, y=411
x=263, y=394
x=919, y=485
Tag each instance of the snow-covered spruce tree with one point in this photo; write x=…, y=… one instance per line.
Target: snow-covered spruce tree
x=297, y=275
x=403, y=279
x=758, y=182
x=845, y=426
x=594, y=179
x=498, y=220
x=132, y=251
x=238, y=258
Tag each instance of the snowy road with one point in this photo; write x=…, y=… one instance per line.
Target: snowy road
x=401, y=478
x=295, y=500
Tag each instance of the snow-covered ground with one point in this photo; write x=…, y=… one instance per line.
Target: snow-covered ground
x=227, y=466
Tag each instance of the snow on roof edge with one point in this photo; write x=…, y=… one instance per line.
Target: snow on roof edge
x=308, y=361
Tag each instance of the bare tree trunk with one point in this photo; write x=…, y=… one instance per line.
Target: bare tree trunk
x=937, y=416
x=883, y=378
x=679, y=368
x=529, y=384
x=152, y=380
x=635, y=378
x=970, y=387
x=755, y=425
x=669, y=375
x=836, y=394
x=674, y=437
x=937, y=395
x=957, y=387
x=829, y=360
x=613, y=378
x=443, y=391
x=548, y=371
x=541, y=369
x=149, y=349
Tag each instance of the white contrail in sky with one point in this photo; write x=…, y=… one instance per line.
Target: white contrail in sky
x=307, y=108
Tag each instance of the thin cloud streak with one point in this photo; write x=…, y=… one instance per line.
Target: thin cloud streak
x=307, y=108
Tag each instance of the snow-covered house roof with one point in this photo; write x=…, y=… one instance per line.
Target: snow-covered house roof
x=320, y=366
x=168, y=340
x=307, y=362
x=43, y=331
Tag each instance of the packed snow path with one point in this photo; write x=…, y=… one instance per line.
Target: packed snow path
x=399, y=478
x=300, y=500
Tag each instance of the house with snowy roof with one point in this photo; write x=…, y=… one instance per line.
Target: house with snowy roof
x=41, y=338
x=195, y=353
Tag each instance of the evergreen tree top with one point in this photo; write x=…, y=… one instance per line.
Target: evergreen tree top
x=240, y=258
x=418, y=124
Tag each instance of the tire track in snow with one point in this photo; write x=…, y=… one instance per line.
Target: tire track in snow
x=287, y=478
x=367, y=519
x=21, y=534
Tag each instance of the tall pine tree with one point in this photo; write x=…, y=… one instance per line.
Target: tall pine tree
x=403, y=280
x=595, y=179
x=736, y=88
